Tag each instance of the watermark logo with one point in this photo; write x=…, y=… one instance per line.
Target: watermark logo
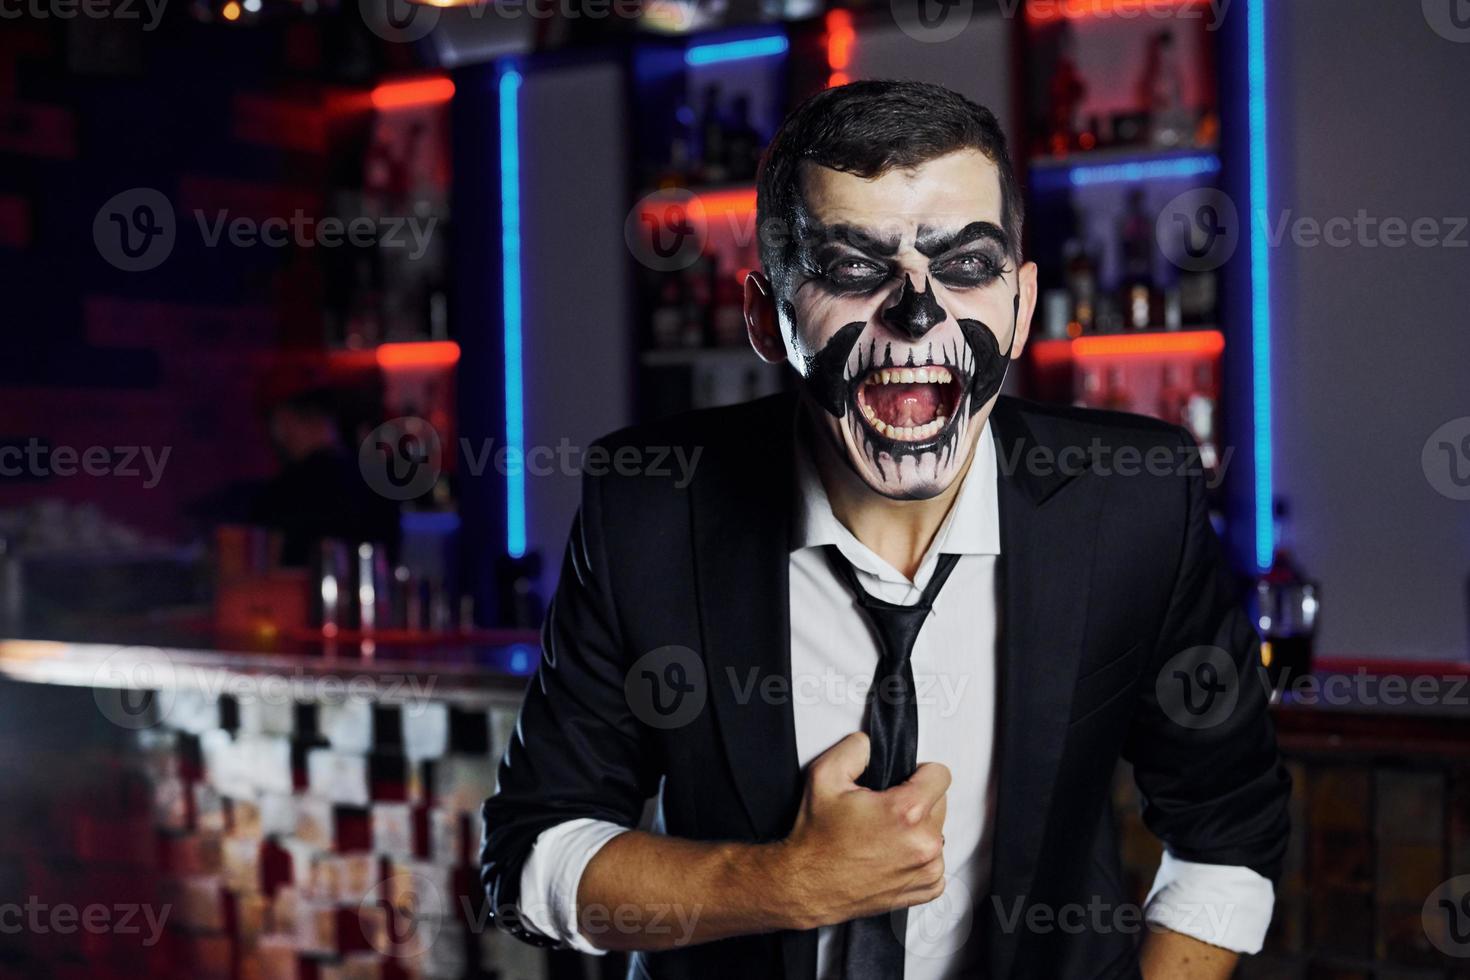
x=1446, y=917
x=937, y=930
x=134, y=687
x=135, y=229
x=932, y=21
x=666, y=688
x=1446, y=459
x=1450, y=19
x=416, y=911
x=401, y=459
x=1199, y=687
x=398, y=21
x=1199, y=230
x=666, y=231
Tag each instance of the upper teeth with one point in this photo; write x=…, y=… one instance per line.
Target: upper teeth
x=909, y=376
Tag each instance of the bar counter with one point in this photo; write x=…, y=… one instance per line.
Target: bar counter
x=306, y=808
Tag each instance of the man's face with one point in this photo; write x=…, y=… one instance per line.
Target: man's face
x=905, y=309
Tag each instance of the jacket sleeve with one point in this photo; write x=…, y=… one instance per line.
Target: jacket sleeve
x=578, y=751
x=1202, y=744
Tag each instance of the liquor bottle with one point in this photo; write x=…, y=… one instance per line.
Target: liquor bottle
x=1115, y=395
x=1136, y=244
x=743, y=143
x=681, y=151
x=1199, y=414
x=1089, y=391
x=1066, y=91
x=1081, y=281
x=713, y=147
x=728, y=321
x=1287, y=607
x=1161, y=92
x=698, y=296
x=1173, y=395
x=668, y=316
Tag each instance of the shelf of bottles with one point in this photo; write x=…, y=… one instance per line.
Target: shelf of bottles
x=1122, y=119
x=706, y=107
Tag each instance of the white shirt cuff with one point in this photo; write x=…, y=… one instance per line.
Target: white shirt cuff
x=551, y=875
x=1224, y=905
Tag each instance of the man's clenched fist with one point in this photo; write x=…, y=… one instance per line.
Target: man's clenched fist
x=854, y=852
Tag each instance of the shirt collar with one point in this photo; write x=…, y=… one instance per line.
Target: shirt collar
x=972, y=526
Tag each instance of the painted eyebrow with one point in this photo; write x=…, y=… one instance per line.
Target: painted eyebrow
x=931, y=242
x=859, y=238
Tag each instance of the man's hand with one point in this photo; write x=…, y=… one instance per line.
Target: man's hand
x=854, y=852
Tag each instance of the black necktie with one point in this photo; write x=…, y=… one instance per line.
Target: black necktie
x=873, y=948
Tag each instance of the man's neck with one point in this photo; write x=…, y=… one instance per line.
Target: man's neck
x=898, y=531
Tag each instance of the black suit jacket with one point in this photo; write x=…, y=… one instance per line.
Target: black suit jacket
x=1106, y=579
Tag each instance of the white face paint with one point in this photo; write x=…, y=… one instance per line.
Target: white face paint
x=905, y=307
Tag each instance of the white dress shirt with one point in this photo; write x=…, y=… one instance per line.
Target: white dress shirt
x=833, y=656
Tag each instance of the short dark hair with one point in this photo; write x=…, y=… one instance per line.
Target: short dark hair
x=868, y=128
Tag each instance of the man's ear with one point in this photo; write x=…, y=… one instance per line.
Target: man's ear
x=1026, y=290
x=762, y=325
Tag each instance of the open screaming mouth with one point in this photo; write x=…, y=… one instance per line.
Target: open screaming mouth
x=912, y=406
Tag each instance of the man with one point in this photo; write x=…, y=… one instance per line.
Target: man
x=879, y=660
x=319, y=492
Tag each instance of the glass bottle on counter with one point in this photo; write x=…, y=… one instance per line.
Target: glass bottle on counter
x=1287, y=604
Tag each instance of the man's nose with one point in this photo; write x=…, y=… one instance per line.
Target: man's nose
x=915, y=313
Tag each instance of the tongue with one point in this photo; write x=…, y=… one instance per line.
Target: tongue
x=905, y=405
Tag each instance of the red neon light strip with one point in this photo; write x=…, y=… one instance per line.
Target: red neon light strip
x=1197, y=342
x=1112, y=345
x=418, y=354
x=720, y=203
x=840, y=39
x=1049, y=11
x=419, y=92
x=716, y=204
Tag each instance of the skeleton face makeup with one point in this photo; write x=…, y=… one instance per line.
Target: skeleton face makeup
x=903, y=315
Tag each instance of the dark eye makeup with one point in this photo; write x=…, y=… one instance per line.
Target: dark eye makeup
x=845, y=272
x=968, y=269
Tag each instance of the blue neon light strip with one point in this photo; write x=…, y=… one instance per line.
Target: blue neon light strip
x=755, y=47
x=1260, y=282
x=510, y=251
x=1174, y=168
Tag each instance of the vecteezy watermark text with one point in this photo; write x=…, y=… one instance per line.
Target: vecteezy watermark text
x=135, y=230
x=305, y=231
x=403, y=458
x=97, y=919
x=37, y=459
x=122, y=10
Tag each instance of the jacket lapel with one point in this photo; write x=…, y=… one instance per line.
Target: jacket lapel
x=741, y=520
x=742, y=516
x=1047, y=539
